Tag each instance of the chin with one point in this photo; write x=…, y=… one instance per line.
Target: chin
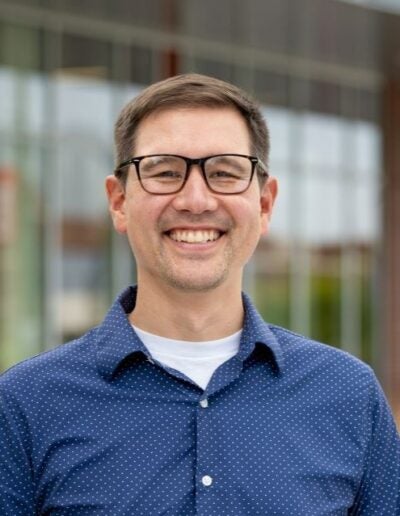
x=196, y=284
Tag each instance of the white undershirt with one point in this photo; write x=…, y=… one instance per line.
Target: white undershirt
x=197, y=360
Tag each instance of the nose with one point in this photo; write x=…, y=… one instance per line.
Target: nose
x=195, y=196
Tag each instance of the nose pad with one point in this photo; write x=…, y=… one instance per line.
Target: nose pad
x=195, y=196
x=196, y=176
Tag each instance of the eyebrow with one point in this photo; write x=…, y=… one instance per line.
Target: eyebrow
x=226, y=159
x=158, y=158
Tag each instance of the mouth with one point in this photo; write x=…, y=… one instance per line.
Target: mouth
x=194, y=236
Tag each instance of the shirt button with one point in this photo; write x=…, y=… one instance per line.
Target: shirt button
x=207, y=480
x=204, y=403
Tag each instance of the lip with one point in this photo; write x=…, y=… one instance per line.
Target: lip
x=194, y=228
x=195, y=248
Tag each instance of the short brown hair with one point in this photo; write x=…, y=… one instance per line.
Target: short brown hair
x=189, y=90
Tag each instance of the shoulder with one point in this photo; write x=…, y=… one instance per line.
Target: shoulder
x=326, y=367
x=33, y=375
x=298, y=355
x=332, y=383
x=296, y=347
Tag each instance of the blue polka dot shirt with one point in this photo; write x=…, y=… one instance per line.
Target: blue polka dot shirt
x=288, y=426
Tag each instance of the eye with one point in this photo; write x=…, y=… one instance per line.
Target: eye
x=228, y=168
x=163, y=168
x=223, y=174
x=166, y=174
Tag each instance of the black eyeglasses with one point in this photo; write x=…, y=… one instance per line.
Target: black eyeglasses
x=164, y=174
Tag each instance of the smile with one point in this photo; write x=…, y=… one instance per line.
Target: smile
x=194, y=236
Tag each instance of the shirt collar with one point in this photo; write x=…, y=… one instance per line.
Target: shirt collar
x=257, y=331
x=116, y=340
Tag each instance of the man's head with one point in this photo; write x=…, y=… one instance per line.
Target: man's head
x=189, y=91
x=194, y=229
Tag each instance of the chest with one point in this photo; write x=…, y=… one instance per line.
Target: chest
x=171, y=450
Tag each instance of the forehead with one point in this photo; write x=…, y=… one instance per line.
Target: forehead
x=193, y=132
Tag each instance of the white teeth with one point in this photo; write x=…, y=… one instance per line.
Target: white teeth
x=193, y=236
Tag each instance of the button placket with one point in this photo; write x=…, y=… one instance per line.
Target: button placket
x=205, y=463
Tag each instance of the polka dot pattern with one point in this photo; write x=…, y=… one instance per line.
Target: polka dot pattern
x=289, y=427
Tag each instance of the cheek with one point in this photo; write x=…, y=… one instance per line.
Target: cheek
x=251, y=225
x=142, y=222
x=252, y=214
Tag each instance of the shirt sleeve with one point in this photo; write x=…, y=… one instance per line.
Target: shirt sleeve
x=16, y=485
x=379, y=492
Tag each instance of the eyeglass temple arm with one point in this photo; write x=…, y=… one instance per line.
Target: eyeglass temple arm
x=263, y=167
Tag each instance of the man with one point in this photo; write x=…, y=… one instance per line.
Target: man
x=183, y=401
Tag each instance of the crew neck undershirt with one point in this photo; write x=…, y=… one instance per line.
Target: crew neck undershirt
x=196, y=360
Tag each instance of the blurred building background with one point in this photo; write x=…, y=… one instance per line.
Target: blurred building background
x=328, y=74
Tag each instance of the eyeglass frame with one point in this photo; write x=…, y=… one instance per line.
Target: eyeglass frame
x=189, y=163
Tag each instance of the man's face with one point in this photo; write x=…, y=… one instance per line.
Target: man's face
x=194, y=240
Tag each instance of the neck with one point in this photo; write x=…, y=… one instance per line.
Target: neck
x=193, y=316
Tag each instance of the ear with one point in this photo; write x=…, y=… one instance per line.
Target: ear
x=116, y=202
x=269, y=192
